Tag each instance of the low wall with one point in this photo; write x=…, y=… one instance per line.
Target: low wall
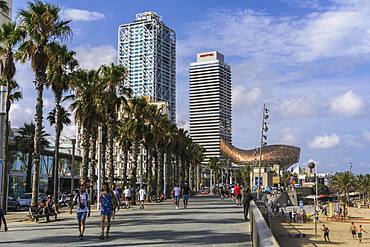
x=261, y=233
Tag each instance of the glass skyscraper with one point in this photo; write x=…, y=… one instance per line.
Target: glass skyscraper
x=210, y=103
x=147, y=48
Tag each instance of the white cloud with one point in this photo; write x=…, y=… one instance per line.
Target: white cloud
x=82, y=15
x=289, y=136
x=302, y=106
x=243, y=97
x=184, y=125
x=348, y=104
x=325, y=142
x=19, y=114
x=92, y=57
x=366, y=135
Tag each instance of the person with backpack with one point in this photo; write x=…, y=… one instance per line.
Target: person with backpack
x=108, y=203
x=247, y=198
x=82, y=200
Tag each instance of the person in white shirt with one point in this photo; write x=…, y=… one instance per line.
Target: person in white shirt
x=127, y=193
x=82, y=200
x=177, y=195
x=142, y=196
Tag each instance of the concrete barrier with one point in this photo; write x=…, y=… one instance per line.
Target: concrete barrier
x=262, y=235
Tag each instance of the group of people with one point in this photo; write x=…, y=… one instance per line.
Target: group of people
x=357, y=231
x=178, y=192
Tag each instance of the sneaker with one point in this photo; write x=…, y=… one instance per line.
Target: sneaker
x=81, y=237
x=177, y=207
x=101, y=236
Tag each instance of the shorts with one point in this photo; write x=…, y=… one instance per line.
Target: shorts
x=128, y=198
x=177, y=199
x=81, y=216
x=239, y=197
x=359, y=235
x=186, y=197
x=353, y=232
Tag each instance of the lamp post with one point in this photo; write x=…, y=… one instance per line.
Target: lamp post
x=312, y=165
x=264, y=130
x=73, y=165
x=5, y=167
x=100, y=157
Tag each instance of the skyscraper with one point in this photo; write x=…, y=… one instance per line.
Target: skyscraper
x=210, y=102
x=147, y=48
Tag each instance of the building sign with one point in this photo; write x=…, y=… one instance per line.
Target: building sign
x=206, y=55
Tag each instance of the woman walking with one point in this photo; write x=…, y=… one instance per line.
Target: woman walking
x=108, y=204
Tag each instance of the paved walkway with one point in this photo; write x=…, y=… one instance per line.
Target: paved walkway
x=207, y=222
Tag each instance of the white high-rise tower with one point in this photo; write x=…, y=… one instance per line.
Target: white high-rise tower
x=147, y=48
x=210, y=102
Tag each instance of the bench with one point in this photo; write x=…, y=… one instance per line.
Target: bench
x=34, y=216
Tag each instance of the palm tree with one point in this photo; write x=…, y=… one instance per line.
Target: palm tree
x=114, y=95
x=214, y=166
x=41, y=26
x=85, y=106
x=133, y=126
x=62, y=63
x=9, y=38
x=362, y=185
x=343, y=181
x=24, y=142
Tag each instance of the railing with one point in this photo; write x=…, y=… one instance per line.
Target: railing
x=261, y=233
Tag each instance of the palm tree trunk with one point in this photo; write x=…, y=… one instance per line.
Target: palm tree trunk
x=111, y=132
x=85, y=156
x=6, y=167
x=177, y=170
x=135, y=151
x=29, y=174
x=125, y=163
x=58, y=123
x=160, y=173
x=93, y=161
x=104, y=151
x=156, y=168
x=40, y=79
x=149, y=172
x=182, y=173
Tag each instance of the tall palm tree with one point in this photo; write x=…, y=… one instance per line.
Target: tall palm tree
x=41, y=25
x=114, y=95
x=85, y=106
x=24, y=142
x=214, y=166
x=362, y=185
x=9, y=38
x=134, y=126
x=342, y=182
x=62, y=63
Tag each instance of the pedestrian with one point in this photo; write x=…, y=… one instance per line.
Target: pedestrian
x=359, y=233
x=82, y=200
x=290, y=216
x=3, y=220
x=127, y=194
x=304, y=216
x=325, y=229
x=117, y=196
x=247, y=197
x=107, y=204
x=238, y=194
x=142, y=196
x=177, y=195
x=186, y=194
x=353, y=230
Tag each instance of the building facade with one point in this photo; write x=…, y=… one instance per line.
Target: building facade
x=147, y=48
x=210, y=102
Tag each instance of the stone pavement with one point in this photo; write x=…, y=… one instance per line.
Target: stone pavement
x=207, y=221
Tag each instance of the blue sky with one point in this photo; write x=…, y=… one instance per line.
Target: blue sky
x=307, y=60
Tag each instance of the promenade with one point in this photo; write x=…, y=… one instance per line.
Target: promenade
x=207, y=222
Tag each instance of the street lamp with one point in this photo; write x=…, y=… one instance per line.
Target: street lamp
x=312, y=165
x=264, y=136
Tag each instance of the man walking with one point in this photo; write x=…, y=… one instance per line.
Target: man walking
x=325, y=229
x=186, y=194
x=238, y=195
x=247, y=197
x=177, y=195
x=142, y=196
x=127, y=194
x=82, y=200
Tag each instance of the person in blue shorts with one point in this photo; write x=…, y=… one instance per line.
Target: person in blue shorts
x=186, y=194
x=82, y=200
x=108, y=203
